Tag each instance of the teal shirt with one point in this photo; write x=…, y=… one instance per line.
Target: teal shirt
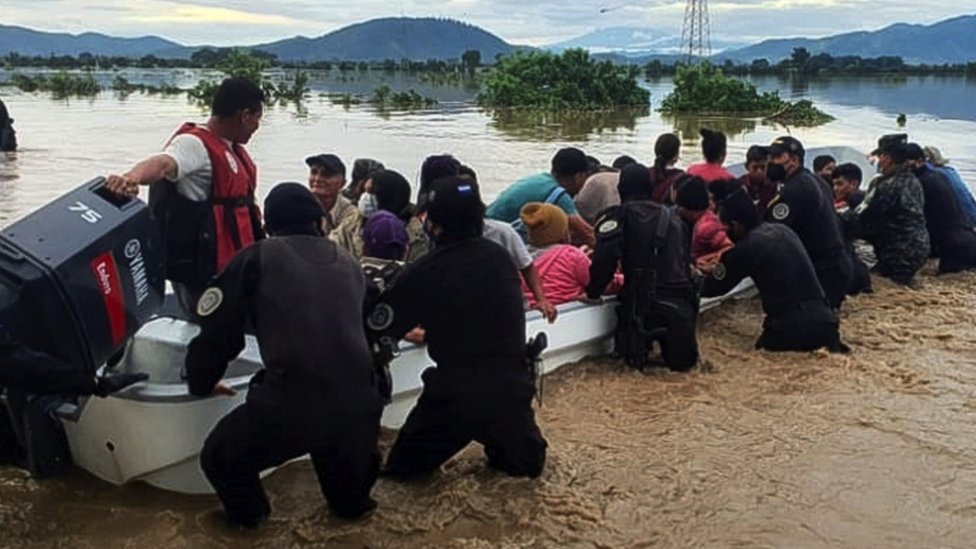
x=535, y=188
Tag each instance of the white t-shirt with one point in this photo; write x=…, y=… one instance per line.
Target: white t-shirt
x=503, y=234
x=193, y=177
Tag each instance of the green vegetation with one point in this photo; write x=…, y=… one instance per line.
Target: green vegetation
x=573, y=80
x=244, y=64
x=123, y=88
x=705, y=89
x=61, y=85
x=384, y=98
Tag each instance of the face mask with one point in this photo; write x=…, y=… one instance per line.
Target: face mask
x=367, y=205
x=775, y=172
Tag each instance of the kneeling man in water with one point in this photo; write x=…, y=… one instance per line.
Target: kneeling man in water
x=468, y=296
x=798, y=316
x=318, y=391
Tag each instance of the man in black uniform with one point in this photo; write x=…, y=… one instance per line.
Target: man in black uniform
x=805, y=203
x=950, y=232
x=318, y=391
x=798, y=317
x=658, y=301
x=467, y=296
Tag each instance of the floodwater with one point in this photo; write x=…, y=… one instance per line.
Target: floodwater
x=874, y=449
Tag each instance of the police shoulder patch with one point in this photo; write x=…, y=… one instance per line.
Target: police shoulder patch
x=719, y=272
x=781, y=211
x=380, y=318
x=607, y=226
x=209, y=302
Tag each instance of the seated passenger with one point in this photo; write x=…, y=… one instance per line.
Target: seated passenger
x=389, y=191
x=950, y=233
x=713, y=146
x=600, y=191
x=326, y=177
x=847, y=182
x=963, y=193
x=798, y=315
x=569, y=170
x=385, y=237
x=563, y=268
x=362, y=170
x=823, y=166
x=761, y=189
x=667, y=150
x=695, y=207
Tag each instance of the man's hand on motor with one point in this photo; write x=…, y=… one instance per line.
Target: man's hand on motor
x=122, y=185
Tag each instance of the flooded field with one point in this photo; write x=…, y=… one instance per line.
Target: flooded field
x=875, y=449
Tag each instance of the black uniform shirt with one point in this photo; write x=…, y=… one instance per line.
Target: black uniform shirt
x=774, y=257
x=806, y=205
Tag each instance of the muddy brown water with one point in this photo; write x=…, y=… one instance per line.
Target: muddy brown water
x=875, y=449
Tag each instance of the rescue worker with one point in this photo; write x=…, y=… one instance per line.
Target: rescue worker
x=467, y=295
x=203, y=188
x=8, y=137
x=798, y=316
x=658, y=301
x=892, y=216
x=317, y=393
x=805, y=203
x=950, y=233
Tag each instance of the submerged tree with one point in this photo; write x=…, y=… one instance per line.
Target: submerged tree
x=573, y=80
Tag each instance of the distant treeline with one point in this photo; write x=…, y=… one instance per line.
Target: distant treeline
x=209, y=58
x=803, y=63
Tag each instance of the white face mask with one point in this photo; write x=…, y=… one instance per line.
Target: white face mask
x=367, y=205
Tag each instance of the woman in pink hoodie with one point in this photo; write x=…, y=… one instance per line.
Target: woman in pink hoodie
x=563, y=268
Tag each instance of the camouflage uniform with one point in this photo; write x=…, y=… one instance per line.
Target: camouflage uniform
x=892, y=219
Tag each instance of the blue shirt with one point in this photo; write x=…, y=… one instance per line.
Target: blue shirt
x=961, y=190
x=535, y=188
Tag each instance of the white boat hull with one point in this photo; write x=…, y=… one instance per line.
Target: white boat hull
x=154, y=432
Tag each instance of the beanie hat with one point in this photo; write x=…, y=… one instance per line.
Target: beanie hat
x=545, y=223
x=385, y=237
x=290, y=205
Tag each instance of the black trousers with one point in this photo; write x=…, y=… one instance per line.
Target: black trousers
x=30, y=371
x=802, y=336
x=677, y=319
x=438, y=428
x=835, y=276
x=243, y=443
x=958, y=252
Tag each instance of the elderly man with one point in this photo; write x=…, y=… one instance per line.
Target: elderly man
x=326, y=177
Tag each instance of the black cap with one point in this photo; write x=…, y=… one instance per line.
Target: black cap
x=890, y=141
x=455, y=203
x=333, y=164
x=914, y=151
x=290, y=205
x=786, y=144
x=363, y=168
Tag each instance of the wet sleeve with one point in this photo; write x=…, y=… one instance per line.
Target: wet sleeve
x=728, y=272
x=24, y=369
x=222, y=311
x=606, y=256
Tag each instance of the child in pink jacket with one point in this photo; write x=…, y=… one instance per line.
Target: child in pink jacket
x=563, y=268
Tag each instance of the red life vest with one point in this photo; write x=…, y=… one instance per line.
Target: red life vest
x=202, y=237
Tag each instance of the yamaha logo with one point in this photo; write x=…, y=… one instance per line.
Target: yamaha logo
x=132, y=249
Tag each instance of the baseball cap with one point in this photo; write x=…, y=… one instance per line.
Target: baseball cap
x=455, y=203
x=385, y=236
x=890, y=141
x=786, y=144
x=332, y=163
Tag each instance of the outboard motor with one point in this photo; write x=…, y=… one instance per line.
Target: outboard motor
x=78, y=278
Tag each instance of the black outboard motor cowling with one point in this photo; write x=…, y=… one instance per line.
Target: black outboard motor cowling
x=81, y=275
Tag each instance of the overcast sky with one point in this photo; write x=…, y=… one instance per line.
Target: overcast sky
x=243, y=22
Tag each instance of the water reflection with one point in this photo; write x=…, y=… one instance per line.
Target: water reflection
x=687, y=126
x=563, y=126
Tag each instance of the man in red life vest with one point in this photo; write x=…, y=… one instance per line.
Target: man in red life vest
x=202, y=190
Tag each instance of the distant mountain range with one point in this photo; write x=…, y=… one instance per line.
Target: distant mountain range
x=634, y=41
x=949, y=41
x=31, y=42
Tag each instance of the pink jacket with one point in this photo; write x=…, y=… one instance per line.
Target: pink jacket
x=709, y=172
x=708, y=236
x=565, y=273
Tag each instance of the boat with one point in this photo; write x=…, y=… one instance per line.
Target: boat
x=153, y=432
